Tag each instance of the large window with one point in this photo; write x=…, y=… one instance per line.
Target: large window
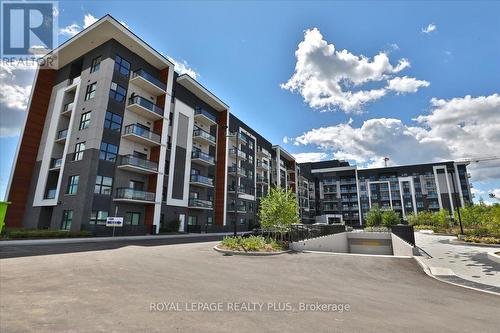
x=108, y=152
x=122, y=65
x=113, y=121
x=98, y=217
x=192, y=220
x=79, y=149
x=67, y=219
x=103, y=185
x=132, y=218
x=84, y=120
x=90, y=92
x=117, y=92
x=72, y=184
x=96, y=64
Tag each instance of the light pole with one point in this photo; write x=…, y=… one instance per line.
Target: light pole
x=457, y=202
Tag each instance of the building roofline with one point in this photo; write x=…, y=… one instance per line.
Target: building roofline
x=201, y=92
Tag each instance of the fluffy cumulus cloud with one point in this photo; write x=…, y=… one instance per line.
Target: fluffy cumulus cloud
x=182, y=67
x=496, y=193
x=75, y=28
x=310, y=157
x=431, y=27
x=458, y=128
x=330, y=79
x=406, y=84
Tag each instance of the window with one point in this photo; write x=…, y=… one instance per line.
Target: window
x=122, y=65
x=90, y=92
x=79, y=149
x=117, y=92
x=67, y=219
x=250, y=144
x=85, y=120
x=136, y=185
x=72, y=184
x=192, y=220
x=108, y=152
x=98, y=217
x=96, y=64
x=113, y=121
x=103, y=185
x=132, y=218
x=210, y=220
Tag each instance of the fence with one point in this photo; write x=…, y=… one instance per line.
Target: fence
x=301, y=232
x=405, y=232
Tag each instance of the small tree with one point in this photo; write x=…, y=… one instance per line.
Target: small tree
x=374, y=217
x=390, y=218
x=278, y=210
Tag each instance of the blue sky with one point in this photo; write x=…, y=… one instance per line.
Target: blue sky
x=244, y=51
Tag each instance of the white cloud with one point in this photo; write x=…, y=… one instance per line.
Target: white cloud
x=285, y=139
x=14, y=96
x=406, y=84
x=331, y=79
x=496, y=193
x=310, y=157
x=430, y=28
x=182, y=67
x=75, y=28
x=458, y=128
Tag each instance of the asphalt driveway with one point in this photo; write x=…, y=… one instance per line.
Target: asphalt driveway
x=115, y=291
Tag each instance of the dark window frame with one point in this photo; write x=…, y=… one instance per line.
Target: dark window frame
x=85, y=120
x=72, y=187
x=113, y=121
x=78, y=154
x=101, y=187
x=108, y=155
x=96, y=64
x=90, y=91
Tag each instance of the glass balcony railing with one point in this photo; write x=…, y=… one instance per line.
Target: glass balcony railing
x=234, y=169
x=142, y=132
x=132, y=194
x=55, y=163
x=62, y=134
x=145, y=103
x=241, y=208
x=199, y=133
x=202, y=156
x=232, y=188
x=51, y=193
x=200, y=112
x=198, y=203
x=233, y=152
x=139, y=162
x=263, y=152
x=262, y=179
x=150, y=78
x=262, y=165
x=235, y=136
x=202, y=180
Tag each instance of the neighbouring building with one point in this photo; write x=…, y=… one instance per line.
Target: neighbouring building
x=113, y=130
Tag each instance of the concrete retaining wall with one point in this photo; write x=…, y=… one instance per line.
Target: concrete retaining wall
x=401, y=248
x=331, y=243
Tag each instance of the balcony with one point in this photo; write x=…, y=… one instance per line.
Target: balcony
x=203, y=137
x=205, y=117
x=327, y=182
x=241, y=208
x=261, y=165
x=261, y=152
x=135, y=196
x=202, y=181
x=235, y=136
x=55, y=164
x=200, y=204
x=348, y=181
x=141, y=135
x=232, y=188
x=262, y=180
x=148, y=82
x=61, y=136
x=202, y=158
x=233, y=170
x=144, y=108
x=67, y=109
x=233, y=152
x=137, y=164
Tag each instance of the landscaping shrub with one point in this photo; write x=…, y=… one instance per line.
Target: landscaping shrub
x=486, y=240
x=374, y=217
x=390, y=218
x=45, y=233
x=252, y=243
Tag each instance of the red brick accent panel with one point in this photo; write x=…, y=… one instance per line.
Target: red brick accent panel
x=28, y=148
x=220, y=173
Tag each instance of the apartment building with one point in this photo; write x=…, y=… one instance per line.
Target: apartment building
x=113, y=130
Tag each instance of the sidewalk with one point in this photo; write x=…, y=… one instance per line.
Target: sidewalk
x=467, y=262
x=104, y=239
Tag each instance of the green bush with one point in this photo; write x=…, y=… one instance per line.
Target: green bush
x=486, y=240
x=45, y=233
x=278, y=210
x=374, y=217
x=252, y=244
x=390, y=218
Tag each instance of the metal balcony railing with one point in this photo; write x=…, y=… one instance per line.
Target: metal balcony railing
x=198, y=203
x=145, y=103
x=201, y=112
x=202, y=156
x=132, y=194
x=150, y=78
x=134, y=129
x=199, y=133
x=202, y=180
x=138, y=162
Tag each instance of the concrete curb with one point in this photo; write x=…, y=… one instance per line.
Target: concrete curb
x=357, y=254
x=494, y=257
x=459, y=242
x=102, y=239
x=254, y=254
x=434, y=271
